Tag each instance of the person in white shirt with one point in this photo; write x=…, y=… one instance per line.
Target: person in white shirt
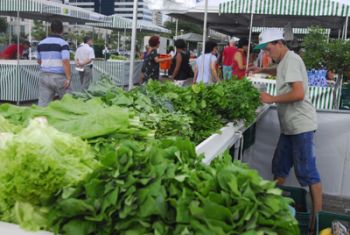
x=206, y=73
x=84, y=57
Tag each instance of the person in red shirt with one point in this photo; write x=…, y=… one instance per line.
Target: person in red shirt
x=240, y=59
x=10, y=52
x=227, y=58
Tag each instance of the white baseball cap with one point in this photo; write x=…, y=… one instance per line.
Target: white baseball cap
x=269, y=35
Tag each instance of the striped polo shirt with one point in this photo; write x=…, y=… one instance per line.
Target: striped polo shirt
x=52, y=51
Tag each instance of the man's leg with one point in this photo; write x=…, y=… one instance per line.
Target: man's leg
x=87, y=77
x=46, y=93
x=316, y=198
x=59, y=86
x=225, y=71
x=81, y=76
x=306, y=170
x=282, y=160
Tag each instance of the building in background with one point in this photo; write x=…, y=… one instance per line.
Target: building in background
x=157, y=18
x=123, y=8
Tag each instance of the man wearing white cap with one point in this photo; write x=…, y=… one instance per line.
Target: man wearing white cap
x=297, y=118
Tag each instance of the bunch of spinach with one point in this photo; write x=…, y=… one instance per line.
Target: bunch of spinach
x=163, y=188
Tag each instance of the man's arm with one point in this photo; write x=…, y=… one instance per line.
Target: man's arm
x=195, y=74
x=67, y=72
x=296, y=94
x=270, y=70
x=239, y=59
x=213, y=70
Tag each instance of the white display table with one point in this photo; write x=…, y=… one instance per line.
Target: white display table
x=229, y=135
x=13, y=229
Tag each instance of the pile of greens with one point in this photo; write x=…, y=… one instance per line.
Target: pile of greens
x=37, y=163
x=194, y=112
x=87, y=119
x=137, y=176
x=163, y=188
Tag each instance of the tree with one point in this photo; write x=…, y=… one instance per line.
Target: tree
x=320, y=52
x=187, y=27
x=39, y=30
x=3, y=25
x=315, y=44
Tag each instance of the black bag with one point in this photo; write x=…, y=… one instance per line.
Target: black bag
x=190, y=73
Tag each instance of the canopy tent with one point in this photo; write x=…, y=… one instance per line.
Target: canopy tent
x=233, y=17
x=191, y=37
x=300, y=31
x=277, y=13
x=118, y=22
x=48, y=10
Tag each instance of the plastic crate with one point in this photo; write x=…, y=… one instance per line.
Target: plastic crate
x=324, y=219
x=302, y=214
x=249, y=136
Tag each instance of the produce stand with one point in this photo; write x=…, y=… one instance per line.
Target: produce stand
x=25, y=86
x=321, y=97
x=212, y=147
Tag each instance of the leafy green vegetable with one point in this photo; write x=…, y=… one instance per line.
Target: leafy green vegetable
x=6, y=126
x=36, y=164
x=163, y=188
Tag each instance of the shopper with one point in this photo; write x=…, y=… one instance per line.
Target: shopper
x=227, y=58
x=84, y=57
x=297, y=118
x=206, y=72
x=180, y=67
x=151, y=67
x=10, y=52
x=240, y=59
x=53, y=57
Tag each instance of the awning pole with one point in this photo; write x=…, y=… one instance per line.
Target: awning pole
x=346, y=28
x=118, y=46
x=250, y=34
x=176, y=27
x=133, y=43
x=17, y=75
x=18, y=32
x=30, y=39
x=204, y=34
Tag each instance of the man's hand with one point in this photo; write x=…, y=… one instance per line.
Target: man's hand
x=253, y=68
x=66, y=83
x=266, y=98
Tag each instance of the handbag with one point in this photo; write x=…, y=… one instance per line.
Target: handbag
x=190, y=73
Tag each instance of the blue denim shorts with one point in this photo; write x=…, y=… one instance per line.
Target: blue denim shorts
x=298, y=151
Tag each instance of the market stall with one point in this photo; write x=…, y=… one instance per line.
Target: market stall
x=134, y=155
x=21, y=83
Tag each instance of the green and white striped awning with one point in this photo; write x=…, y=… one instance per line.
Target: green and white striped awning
x=119, y=22
x=45, y=10
x=285, y=7
x=114, y=22
x=295, y=30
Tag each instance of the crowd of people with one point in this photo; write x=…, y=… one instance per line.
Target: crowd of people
x=213, y=66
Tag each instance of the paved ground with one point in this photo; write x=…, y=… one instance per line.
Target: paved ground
x=336, y=204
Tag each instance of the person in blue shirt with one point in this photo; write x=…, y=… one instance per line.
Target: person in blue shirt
x=54, y=61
